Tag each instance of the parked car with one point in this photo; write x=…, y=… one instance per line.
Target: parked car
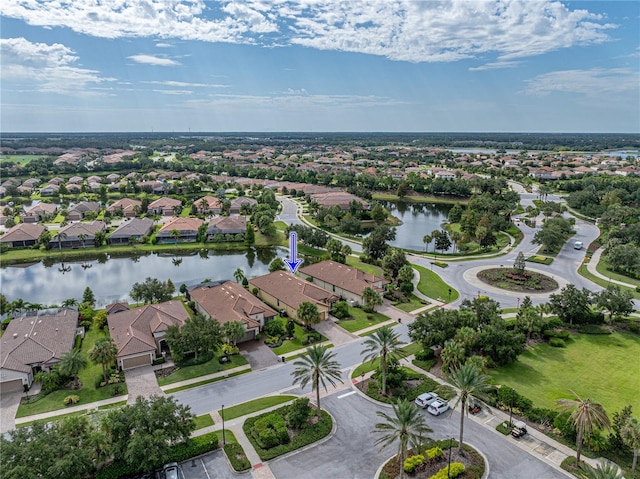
x=519, y=429
x=425, y=399
x=577, y=245
x=438, y=406
x=171, y=470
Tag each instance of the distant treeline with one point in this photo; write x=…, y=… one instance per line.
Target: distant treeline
x=212, y=141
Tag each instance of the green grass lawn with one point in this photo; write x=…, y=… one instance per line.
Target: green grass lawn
x=360, y=320
x=603, y=268
x=253, y=406
x=431, y=285
x=417, y=199
x=409, y=349
x=413, y=304
x=583, y=271
x=367, y=268
x=87, y=376
x=594, y=366
x=289, y=345
x=206, y=381
x=19, y=159
x=210, y=367
x=203, y=421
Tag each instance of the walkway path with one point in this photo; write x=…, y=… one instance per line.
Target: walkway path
x=592, y=268
x=142, y=382
x=334, y=333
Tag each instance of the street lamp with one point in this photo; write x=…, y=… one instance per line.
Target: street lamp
x=224, y=443
x=511, y=407
x=449, y=465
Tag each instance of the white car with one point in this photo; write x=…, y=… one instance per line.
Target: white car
x=171, y=470
x=438, y=406
x=425, y=399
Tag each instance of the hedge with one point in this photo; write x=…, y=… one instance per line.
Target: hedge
x=237, y=457
x=311, y=434
x=455, y=470
x=411, y=463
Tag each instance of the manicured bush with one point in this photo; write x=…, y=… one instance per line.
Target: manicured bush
x=557, y=343
x=425, y=354
x=237, y=457
x=341, y=310
x=270, y=431
x=441, y=264
x=456, y=469
x=72, y=399
x=230, y=349
x=433, y=453
x=299, y=412
x=411, y=463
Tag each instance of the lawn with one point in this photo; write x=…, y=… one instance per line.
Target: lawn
x=367, y=268
x=254, y=406
x=203, y=421
x=583, y=271
x=594, y=366
x=603, y=268
x=408, y=350
x=413, y=304
x=19, y=159
x=360, y=320
x=431, y=285
x=210, y=367
x=87, y=376
x=205, y=381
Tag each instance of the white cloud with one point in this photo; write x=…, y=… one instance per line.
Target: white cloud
x=595, y=82
x=163, y=45
x=495, y=66
x=153, y=60
x=49, y=67
x=405, y=30
x=174, y=92
x=185, y=84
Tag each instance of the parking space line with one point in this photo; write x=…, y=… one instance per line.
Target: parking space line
x=346, y=394
x=205, y=469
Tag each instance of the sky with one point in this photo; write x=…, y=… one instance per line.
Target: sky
x=319, y=65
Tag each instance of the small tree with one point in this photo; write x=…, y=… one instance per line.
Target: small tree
x=277, y=265
x=104, y=353
x=233, y=331
x=291, y=328
x=630, y=434
x=371, y=299
x=71, y=363
x=238, y=274
x=519, y=264
x=88, y=297
x=308, y=314
x=384, y=344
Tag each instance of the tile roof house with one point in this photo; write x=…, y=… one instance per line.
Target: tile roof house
x=240, y=203
x=342, y=280
x=117, y=307
x=22, y=235
x=38, y=212
x=127, y=207
x=164, y=206
x=338, y=198
x=49, y=190
x=130, y=231
x=227, y=225
x=208, y=204
x=77, y=212
x=139, y=333
x=285, y=292
x=229, y=302
x=187, y=229
x=34, y=343
x=78, y=235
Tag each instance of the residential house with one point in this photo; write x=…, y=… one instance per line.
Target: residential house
x=22, y=235
x=38, y=212
x=76, y=180
x=155, y=187
x=165, y=206
x=342, y=280
x=128, y=207
x=285, y=291
x=117, y=307
x=78, y=235
x=31, y=344
x=229, y=302
x=187, y=229
x=338, y=198
x=139, y=332
x=221, y=226
x=77, y=212
x=49, y=190
x=73, y=189
x=131, y=231
x=208, y=205
x=242, y=203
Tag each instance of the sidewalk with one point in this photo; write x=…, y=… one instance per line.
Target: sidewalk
x=199, y=379
x=592, y=265
x=67, y=410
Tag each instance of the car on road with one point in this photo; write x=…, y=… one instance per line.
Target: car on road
x=171, y=470
x=425, y=399
x=577, y=245
x=438, y=406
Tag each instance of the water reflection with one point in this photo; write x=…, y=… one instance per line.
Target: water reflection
x=111, y=278
x=418, y=220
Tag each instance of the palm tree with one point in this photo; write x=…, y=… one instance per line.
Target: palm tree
x=586, y=417
x=82, y=237
x=406, y=426
x=317, y=367
x=61, y=236
x=104, y=353
x=473, y=386
x=604, y=470
x=426, y=239
x=630, y=434
x=383, y=344
x=238, y=274
x=71, y=363
x=175, y=234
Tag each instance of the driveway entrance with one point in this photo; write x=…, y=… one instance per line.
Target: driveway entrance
x=141, y=382
x=9, y=402
x=258, y=354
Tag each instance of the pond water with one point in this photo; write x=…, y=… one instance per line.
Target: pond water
x=111, y=278
x=418, y=220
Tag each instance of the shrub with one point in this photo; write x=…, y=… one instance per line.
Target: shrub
x=441, y=264
x=456, y=469
x=311, y=337
x=237, y=457
x=230, y=349
x=69, y=400
x=557, y=343
x=425, y=354
x=299, y=412
x=159, y=360
x=270, y=431
x=341, y=310
x=411, y=463
x=542, y=416
x=117, y=390
x=274, y=328
x=634, y=327
x=521, y=403
x=433, y=453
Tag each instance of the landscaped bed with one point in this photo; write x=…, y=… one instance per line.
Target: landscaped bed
x=471, y=460
x=178, y=373
x=358, y=319
x=525, y=282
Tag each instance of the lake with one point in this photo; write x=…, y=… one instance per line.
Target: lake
x=418, y=220
x=111, y=279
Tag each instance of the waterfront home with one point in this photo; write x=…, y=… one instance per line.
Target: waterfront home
x=208, y=205
x=242, y=203
x=131, y=231
x=219, y=228
x=127, y=207
x=341, y=199
x=164, y=206
x=22, y=235
x=78, y=235
x=186, y=228
x=77, y=212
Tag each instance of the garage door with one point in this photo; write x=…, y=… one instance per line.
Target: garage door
x=11, y=386
x=136, y=362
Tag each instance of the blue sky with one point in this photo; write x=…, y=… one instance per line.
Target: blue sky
x=320, y=65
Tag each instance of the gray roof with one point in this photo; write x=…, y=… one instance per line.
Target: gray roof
x=133, y=227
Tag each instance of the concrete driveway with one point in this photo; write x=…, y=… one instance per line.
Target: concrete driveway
x=9, y=403
x=334, y=333
x=212, y=465
x=141, y=382
x=258, y=354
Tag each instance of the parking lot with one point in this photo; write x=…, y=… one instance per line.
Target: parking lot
x=209, y=466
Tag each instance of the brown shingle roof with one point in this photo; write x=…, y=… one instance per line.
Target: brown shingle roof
x=292, y=290
x=37, y=339
x=230, y=302
x=342, y=276
x=182, y=224
x=23, y=232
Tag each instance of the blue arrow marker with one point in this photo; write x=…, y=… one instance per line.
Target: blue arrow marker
x=293, y=262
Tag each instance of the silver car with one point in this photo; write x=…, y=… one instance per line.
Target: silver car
x=438, y=406
x=425, y=399
x=171, y=470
